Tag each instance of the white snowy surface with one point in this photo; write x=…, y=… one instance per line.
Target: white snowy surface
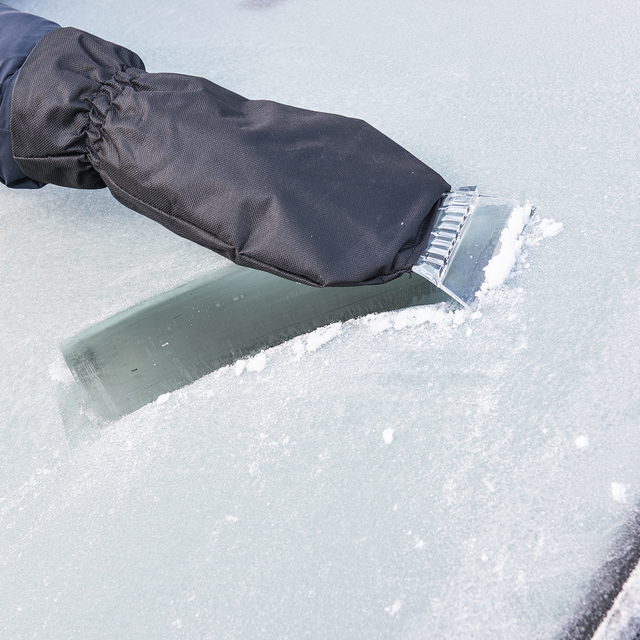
x=507, y=251
x=262, y=501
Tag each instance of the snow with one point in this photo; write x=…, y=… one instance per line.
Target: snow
x=394, y=608
x=320, y=337
x=163, y=398
x=550, y=228
x=257, y=363
x=508, y=250
x=582, y=441
x=619, y=492
x=59, y=372
x=516, y=421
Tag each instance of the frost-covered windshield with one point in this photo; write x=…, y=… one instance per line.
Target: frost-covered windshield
x=425, y=473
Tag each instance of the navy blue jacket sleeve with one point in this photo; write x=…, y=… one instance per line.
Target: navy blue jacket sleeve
x=19, y=33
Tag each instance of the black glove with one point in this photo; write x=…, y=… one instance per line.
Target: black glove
x=316, y=198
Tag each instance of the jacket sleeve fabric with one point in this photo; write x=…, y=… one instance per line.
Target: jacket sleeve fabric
x=317, y=198
x=19, y=33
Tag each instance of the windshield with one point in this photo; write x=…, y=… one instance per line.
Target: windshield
x=423, y=473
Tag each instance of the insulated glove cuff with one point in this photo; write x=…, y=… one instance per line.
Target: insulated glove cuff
x=59, y=103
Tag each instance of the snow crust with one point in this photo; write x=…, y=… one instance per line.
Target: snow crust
x=321, y=336
x=509, y=246
x=619, y=492
x=163, y=398
x=263, y=501
x=582, y=441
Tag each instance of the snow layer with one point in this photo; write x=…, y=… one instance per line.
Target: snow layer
x=508, y=249
x=267, y=504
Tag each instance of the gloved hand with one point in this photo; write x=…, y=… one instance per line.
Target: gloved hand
x=313, y=197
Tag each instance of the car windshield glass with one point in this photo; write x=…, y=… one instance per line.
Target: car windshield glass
x=424, y=472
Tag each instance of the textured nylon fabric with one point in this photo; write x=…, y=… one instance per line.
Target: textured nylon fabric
x=19, y=33
x=313, y=197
